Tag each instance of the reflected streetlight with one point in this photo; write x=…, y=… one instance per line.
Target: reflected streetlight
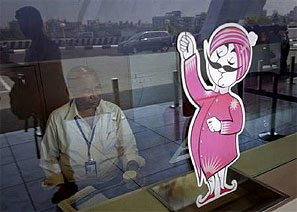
x=63, y=25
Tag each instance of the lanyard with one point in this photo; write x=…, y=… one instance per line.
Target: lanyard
x=89, y=142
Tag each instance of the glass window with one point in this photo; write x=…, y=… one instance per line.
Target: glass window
x=90, y=101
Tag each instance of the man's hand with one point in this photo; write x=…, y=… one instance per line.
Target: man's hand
x=214, y=124
x=132, y=165
x=65, y=191
x=132, y=171
x=186, y=44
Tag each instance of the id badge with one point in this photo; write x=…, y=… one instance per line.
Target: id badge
x=91, y=168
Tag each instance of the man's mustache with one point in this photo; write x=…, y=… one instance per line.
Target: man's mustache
x=218, y=66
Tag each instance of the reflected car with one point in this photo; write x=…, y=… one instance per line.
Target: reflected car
x=146, y=41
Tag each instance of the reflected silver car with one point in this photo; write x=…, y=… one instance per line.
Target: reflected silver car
x=146, y=41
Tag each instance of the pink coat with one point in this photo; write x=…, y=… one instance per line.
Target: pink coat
x=212, y=151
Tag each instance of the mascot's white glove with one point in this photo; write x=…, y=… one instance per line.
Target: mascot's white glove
x=214, y=124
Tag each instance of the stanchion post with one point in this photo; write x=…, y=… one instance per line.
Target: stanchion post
x=259, y=79
x=36, y=135
x=274, y=103
x=292, y=69
x=116, y=92
x=272, y=135
x=176, y=124
x=175, y=89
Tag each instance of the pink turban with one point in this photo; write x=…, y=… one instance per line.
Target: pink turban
x=241, y=44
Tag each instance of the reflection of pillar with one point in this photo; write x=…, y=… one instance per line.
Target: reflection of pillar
x=274, y=102
x=116, y=92
x=175, y=89
x=292, y=109
x=292, y=69
x=259, y=78
x=172, y=123
x=176, y=123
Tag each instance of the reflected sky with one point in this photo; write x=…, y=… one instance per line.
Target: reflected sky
x=116, y=10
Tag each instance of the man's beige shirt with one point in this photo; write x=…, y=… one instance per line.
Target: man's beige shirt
x=64, y=150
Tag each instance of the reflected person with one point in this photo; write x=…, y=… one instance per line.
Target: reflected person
x=41, y=49
x=87, y=140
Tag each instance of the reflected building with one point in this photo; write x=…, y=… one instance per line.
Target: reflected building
x=222, y=11
x=199, y=21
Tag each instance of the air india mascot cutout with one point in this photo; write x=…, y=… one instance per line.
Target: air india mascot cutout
x=219, y=116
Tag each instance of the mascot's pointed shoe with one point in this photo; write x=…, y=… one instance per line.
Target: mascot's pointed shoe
x=228, y=189
x=208, y=198
x=225, y=191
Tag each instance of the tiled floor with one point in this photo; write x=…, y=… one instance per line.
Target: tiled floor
x=159, y=132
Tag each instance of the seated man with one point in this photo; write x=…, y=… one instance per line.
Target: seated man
x=87, y=140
